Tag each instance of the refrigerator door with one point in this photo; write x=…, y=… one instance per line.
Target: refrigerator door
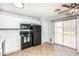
x=36, y=35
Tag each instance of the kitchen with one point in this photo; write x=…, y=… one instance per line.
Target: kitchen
x=10, y=30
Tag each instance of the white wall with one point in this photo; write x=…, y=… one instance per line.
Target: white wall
x=53, y=31
x=78, y=33
x=45, y=30
x=50, y=31
x=12, y=37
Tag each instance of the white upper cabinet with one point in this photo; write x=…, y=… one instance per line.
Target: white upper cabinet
x=7, y=21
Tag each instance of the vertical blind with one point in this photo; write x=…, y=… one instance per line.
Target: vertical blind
x=65, y=33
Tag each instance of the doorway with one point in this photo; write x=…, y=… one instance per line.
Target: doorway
x=65, y=33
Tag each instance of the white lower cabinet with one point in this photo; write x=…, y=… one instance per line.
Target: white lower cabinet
x=12, y=44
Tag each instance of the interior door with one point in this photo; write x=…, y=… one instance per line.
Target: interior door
x=70, y=33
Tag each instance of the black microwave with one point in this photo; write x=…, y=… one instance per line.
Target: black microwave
x=25, y=26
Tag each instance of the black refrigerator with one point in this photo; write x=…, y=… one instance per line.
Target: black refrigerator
x=36, y=35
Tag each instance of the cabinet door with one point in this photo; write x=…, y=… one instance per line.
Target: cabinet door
x=11, y=45
x=9, y=22
x=37, y=38
x=12, y=42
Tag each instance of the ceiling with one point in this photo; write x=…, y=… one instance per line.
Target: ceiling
x=33, y=9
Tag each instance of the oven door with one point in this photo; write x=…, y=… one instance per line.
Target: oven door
x=26, y=42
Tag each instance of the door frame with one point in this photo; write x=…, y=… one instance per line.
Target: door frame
x=63, y=33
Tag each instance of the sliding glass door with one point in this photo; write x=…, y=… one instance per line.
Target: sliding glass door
x=59, y=33
x=65, y=33
x=70, y=33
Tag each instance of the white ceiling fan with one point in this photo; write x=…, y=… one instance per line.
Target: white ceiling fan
x=18, y=5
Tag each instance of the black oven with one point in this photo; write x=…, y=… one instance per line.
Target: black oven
x=30, y=35
x=26, y=39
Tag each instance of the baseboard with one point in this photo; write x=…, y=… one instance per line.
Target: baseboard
x=77, y=50
x=12, y=52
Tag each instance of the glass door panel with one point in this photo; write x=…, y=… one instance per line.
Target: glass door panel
x=65, y=33
x=58, y=33
x=70, y=33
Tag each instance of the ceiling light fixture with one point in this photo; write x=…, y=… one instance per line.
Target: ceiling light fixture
x=73, y=10
x=18, y=5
